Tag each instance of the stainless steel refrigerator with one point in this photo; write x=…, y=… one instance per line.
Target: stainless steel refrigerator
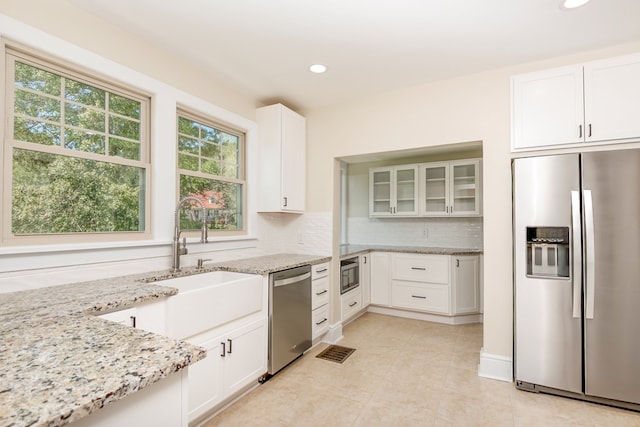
x=577, y=275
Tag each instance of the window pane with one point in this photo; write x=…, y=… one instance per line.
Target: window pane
x=210, y=166
x=187, y=162
x=85, y=94
x=37, y=132
x=59, y=194
x=84, y=141
x=210, y=150
x=126, y=149
x=210, y=134
x=126, y=107
x=123, y=127
x=188, y=127
x=87, y=118
x=188, y=145
x=223, y=203
x=36, y=79
x=37, y=106
x=229, y=170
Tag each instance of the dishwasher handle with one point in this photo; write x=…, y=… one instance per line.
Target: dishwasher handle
x=290, y=280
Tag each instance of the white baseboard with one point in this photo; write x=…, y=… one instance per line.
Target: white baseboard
x=334, y=334
x=495, y=367
x=449, y=320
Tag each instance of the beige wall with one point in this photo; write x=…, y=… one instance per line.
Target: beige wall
x=60, y=19
x=466, y=109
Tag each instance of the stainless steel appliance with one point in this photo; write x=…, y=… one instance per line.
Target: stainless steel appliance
x=577, y=275
x=349, y=274
x=289, y=316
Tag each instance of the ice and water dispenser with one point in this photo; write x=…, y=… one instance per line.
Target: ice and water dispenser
x=548, y=252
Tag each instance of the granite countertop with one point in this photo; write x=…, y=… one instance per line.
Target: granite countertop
x=351, y=250
x=61, y=363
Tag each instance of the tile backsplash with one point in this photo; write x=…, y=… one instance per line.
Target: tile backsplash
x=434, y=232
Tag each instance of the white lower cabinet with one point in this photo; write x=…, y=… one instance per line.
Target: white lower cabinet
x=351, y=303
x=319, y=299
x=432, y=297
x=465, y=279
x=234, y=360
x=439, y=284
x=148, y=316
x=380, y=278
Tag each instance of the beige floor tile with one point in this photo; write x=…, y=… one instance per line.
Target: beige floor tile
x=407, y=373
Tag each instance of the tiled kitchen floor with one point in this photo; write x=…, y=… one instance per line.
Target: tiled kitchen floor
x=406, y=373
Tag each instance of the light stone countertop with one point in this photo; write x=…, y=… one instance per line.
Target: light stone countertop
x=352, y=250
x=60, y=363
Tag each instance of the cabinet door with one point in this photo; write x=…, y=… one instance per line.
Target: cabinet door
x=246, y=356
x=406, y=191
x=380, y=192
x=380, y=278
x=612, y=98
x=293, y=161
x=547, y=108
x=205, y=378
x=365, y=275
x=435, y=190
x=465, y=188
x=465, y=284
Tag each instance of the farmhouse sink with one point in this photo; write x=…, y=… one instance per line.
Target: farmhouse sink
x=209, y=300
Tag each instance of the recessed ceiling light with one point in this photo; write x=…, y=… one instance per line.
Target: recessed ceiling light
x=572, y=4
x=317, y=68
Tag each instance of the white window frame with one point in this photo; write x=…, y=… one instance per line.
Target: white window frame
x=10, y=53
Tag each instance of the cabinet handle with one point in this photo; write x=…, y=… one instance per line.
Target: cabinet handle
x=323, y=292
x=322, y=270
x=365, y=259
x=230, y=345
x=285, y=201
x=457, y=263
x=353, y=303
x=446, y=209
x=133, y=321
x=419, y=268
x=418, y=296
x=580, y=131
x=321, y=322
x=589, y=130
x=224, y=349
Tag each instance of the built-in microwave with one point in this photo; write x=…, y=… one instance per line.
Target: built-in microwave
x=349, y=274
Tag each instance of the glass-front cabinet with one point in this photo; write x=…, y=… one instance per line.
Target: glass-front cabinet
x=450, y=188
x=393, y=191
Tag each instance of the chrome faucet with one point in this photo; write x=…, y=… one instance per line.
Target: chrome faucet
x=204, y=236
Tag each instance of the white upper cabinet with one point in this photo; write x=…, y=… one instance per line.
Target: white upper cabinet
x=281, y=159
x=451, y=188
x=592, y=102
x=393, y=191
x=612, y=98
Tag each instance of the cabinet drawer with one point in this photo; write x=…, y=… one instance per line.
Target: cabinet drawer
x=420, y=296
x=320, y=321
x=421, y=268
x=319, y=270
x=351, y=303
x=319, y=292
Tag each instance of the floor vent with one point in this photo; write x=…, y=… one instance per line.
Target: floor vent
x=336, y=353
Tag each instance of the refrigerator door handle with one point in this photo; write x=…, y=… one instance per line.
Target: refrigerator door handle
x=590, y=254
x=577, y=254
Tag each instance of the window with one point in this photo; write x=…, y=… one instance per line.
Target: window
x=75, y=155
x=211, y=169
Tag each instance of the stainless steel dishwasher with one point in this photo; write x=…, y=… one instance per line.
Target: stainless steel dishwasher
x=289, y=316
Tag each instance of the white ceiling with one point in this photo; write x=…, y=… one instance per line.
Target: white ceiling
x=369, y=46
